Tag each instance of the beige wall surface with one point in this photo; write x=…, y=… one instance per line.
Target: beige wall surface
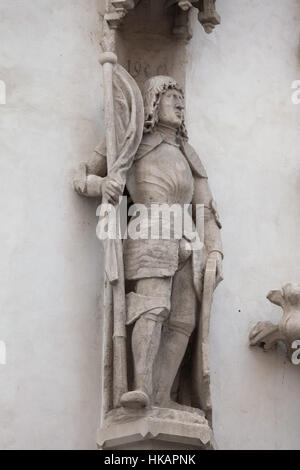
x=50, y=258
x=240, y=119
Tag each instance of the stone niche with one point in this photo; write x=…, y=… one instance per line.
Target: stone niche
x=146, y=45
x=152, y=34
x=149, y=38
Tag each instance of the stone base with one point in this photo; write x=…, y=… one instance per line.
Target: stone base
x=155, y=429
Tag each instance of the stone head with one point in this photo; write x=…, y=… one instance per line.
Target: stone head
x=164, y=104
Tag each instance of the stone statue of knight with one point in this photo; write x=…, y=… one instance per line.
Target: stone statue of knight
x=164, y=277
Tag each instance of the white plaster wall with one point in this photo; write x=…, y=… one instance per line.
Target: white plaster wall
x=241, y=117
x=50, y=262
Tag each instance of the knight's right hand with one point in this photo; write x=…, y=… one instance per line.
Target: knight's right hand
x=111, y=191
x=80, y=179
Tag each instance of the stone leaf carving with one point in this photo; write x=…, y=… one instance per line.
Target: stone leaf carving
x=208, y=16
x=117, y=10
x=267, y=334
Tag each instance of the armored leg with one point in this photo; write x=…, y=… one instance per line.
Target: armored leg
x=148, y=313
x=174, y=344
x=176, y=333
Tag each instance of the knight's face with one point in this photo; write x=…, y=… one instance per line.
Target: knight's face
x=171, y=109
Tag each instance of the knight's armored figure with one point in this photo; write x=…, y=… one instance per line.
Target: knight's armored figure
x=164, y=275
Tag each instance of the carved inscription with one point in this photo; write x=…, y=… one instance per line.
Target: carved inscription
x=142, y=70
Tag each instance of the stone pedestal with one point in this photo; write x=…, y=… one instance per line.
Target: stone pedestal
x=155, y=429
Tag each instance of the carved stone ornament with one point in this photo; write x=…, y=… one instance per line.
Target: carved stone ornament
x=208, y=16
x=267, y=334
x=158, y=290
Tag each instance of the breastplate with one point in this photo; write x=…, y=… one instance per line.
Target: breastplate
x=162, y=176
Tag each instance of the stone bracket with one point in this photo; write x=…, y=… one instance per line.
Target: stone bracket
x=266, y=334
x=154, y=429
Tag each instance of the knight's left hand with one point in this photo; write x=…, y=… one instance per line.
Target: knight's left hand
x=219, y=273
